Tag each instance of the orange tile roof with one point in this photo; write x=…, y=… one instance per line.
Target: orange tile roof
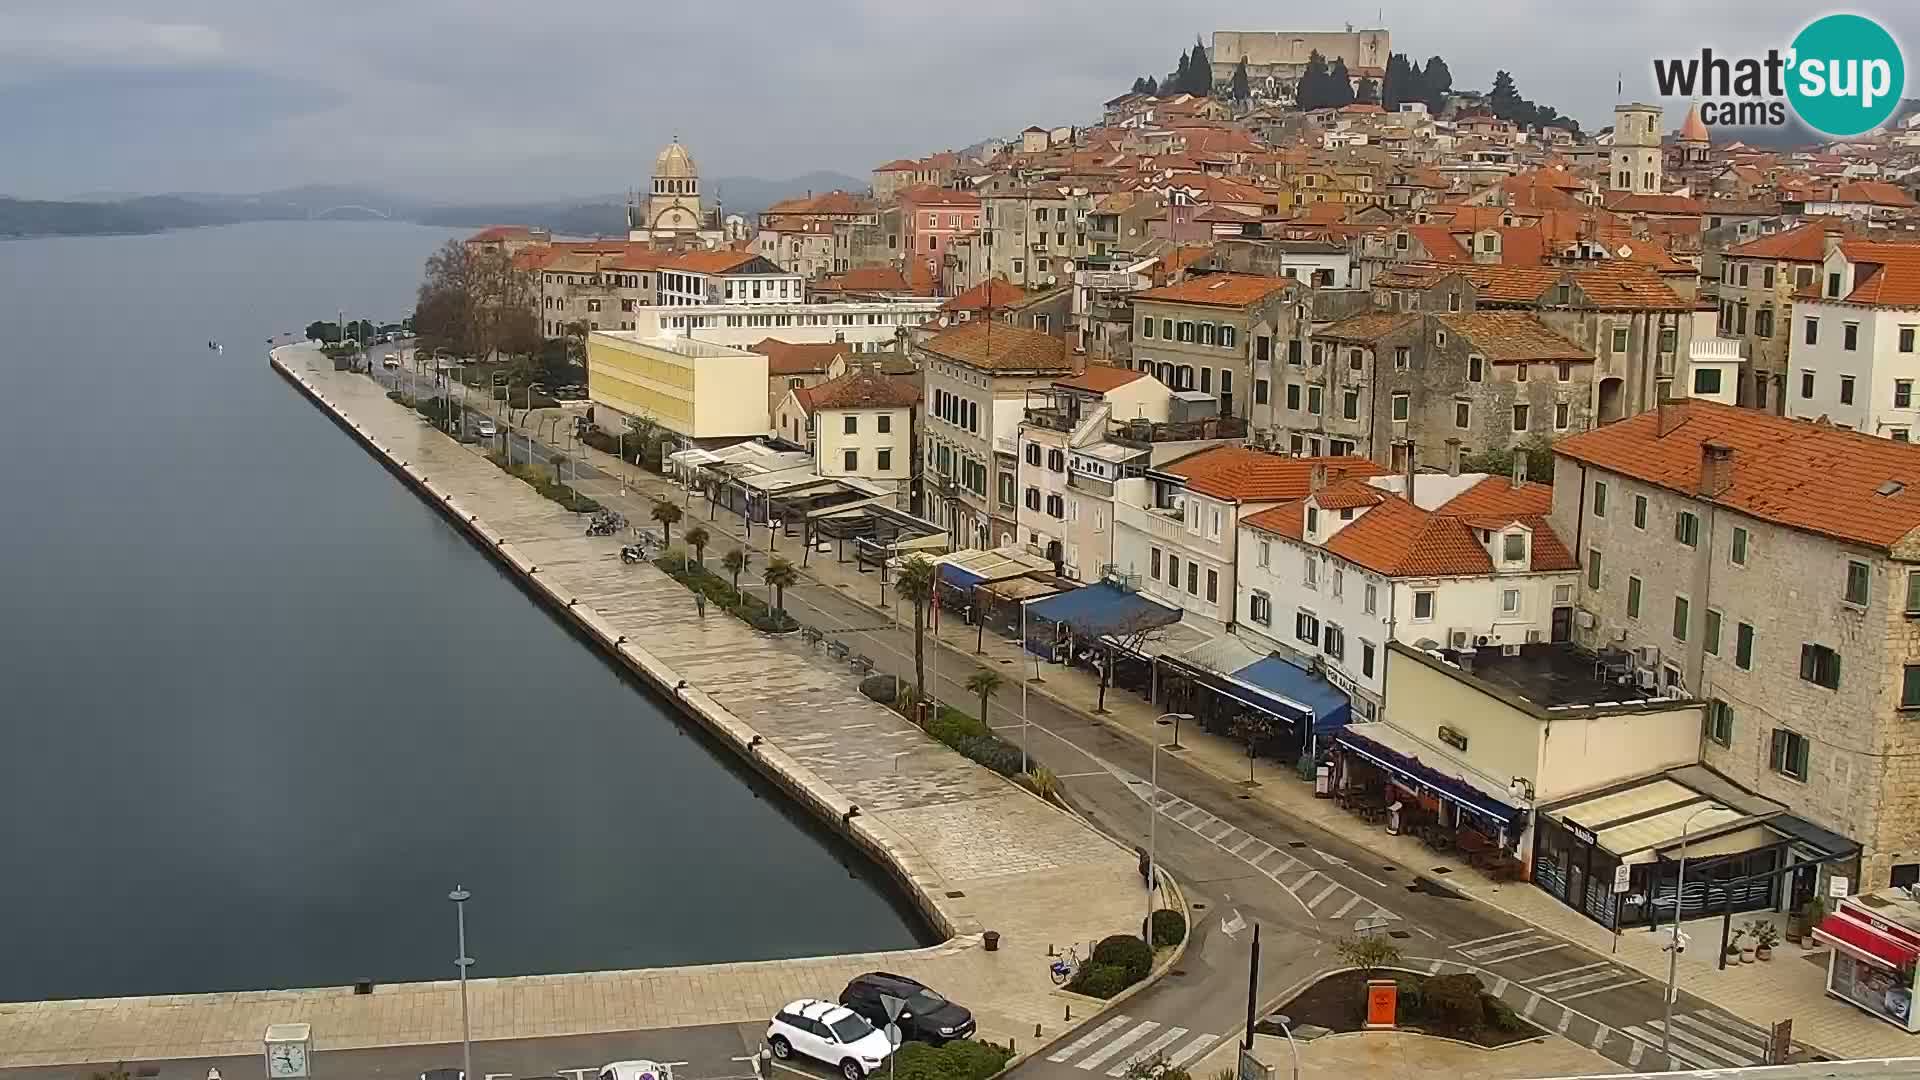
x=1218, y=290
x=928, y=195
x=1876, y=192
x=865, y=388
x=1773, y=461
x=1371, y=326
x=865, y=279
x=1100, y=378
x=997, y=346
x=1609, y=286
x=1347, y=493
x=709, y=262
x=797, y=358
x=496, y=233
x=1396, y=538
x=1496, y=495
x=1627, y=202
x=991, y=293
x=1507, y=337
x=1238, y=474
x=1892, y=277
x=1802, y=243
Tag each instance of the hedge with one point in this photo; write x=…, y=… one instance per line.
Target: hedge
x=1126, y=951
x=973, y=740
x=961, y=1059
x=1169, y=927
x=1100, y=980
x=747, y=608
x=541, y=481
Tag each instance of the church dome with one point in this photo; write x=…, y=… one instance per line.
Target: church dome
x=1692, y=129
x=674, y=163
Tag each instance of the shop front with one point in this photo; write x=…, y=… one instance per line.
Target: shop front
x=1875, y=941
x=1284, y=709
x=1387, y=775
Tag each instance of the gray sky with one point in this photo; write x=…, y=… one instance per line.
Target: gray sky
x=469, y=99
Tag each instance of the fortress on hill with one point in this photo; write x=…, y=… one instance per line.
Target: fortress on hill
x=1277, y=58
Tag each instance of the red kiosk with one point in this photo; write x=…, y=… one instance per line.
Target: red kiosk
x=1875, y=939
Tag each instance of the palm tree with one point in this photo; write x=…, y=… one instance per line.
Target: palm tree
x=735, y=561
x=666, y=513
x=915, y=585
x=781, y=575
x=984, y=684
x=697, y=538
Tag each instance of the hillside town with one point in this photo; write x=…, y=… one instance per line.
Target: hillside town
x=1550, y=490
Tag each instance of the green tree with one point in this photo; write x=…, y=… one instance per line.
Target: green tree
x=1199, y=72
x=326, y=332
x=667, y=513
x=1436, y=83
x=1242, y=88
x=781, y=575
x=1177, y=83
x=1399, y=83
x=1153, y=87
x=1140, y=85
x=1504, y=98
x=1311, y=92
x=698, y=538
x=1369, y=92
x=735, y=563
x=915, y=586
x=1339, y=84
x=1252, y=728
x=1369, y=954
x=983, y=684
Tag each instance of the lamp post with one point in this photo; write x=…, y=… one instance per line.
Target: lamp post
x=1153, y=821
x=459, y=896
x=1286, y=1028
x=1673, y=946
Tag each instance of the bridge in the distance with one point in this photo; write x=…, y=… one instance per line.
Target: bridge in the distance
x=315, y=215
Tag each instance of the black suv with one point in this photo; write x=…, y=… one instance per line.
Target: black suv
x=927, y=1017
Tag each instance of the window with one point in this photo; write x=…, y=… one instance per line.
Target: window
x=1462, y=415
x=1259, y=391
x=1033, y=498
x=1619, y=339
x=1806, y=384
x=1057, y=460
x=1593, y=568
x=1743, y=646
x=1355, y=362
x=851, y=424
x=1476, y=368
x=1339, y=575
x=1706, y=380
x=1350, y=405
x=1520, y=414
x=1146, y=327
x=1173, y=569
x=1310, y=576
x=1313, y=400
x=1335, y=644
x=1401, y=403
x=1906, y=339
x=1788, y=755
x=1193, y=578
x=1510, y=601
x=1719, y=723
x=1260, y=608
x=1227, y=337
x=853, y=460
x=1813, y=331
x=1737, y=553
x=1033, y=453
x=1153, y=564
x=884, y=461
x=1857, y=574
x=1803, y=277
x=1913, y=592
x=1056, y=506
x=1263, y=554
x=1520, y=372
x=1763, y=322
x=1903, y=393
x=1166, y=329
x=1633, y=597
x=1213, y=586
x=1686, y=528
x=1293, y=396
x=1293, y=352
x=1682, y=616
x=1599, y=498
x=1369, y=598
x=1849, y=336
x=1563, y=371
x=1263, y=347
x=1402, y=358
x=1366, y=659
x=1306, y=627
x=1820, y=665
x=885, y=423
x=1910, y=686
x=1423, y=605
x=1833, y=284
x=1514, y=547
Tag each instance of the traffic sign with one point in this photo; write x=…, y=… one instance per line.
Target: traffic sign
x=1622, y=878
x=1837, y=887
x=894, y=1006
x=893, y=1035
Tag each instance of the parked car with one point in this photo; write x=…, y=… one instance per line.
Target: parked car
x=443, y=1074
x=390, y=360
x=637, y=1069
x=829, y=1033
x=927, y=1016
x=486, y=429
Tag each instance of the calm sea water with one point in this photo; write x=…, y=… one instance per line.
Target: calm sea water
x=260, y=709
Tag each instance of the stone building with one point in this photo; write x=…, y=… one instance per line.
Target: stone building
x=1277, y=58
x=1035, y=236
x=1207, y=333
x=1714, y=569
x=1755, y=291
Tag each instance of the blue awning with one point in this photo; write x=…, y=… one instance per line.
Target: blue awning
x=958, y=578
x=1313, y=695
x=1392, y=751
x=1102, y=608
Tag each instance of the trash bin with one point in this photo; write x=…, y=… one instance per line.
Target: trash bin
x=993, y=940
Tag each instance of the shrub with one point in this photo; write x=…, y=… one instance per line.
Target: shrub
x=1369, y=954
x=1500, y=1016
x=953, y=728
x=1169, y=927
x=963, y=1059
x=1126, y=951
x=1100, y=980
x=1455, y=1004
x=1410, y=998
x=884, y=689
x=1041, y=781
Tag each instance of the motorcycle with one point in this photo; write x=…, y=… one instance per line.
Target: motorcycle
x=633, y=553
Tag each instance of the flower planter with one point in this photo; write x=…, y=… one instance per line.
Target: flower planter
x=1746, y=954
x=1763, y=953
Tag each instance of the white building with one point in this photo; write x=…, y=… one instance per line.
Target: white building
x=1067, y=467
x=1337, y=575
x=865, y=326
x=1852, y=357
x=727, y=277
x=858, y=425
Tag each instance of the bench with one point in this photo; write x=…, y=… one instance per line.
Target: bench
x=838, y=650
x=863, y=663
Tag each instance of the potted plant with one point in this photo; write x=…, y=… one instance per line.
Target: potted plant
x=1733, y=945
x=1765, y=936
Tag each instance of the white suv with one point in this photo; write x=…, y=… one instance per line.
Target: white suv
x=831, y=1033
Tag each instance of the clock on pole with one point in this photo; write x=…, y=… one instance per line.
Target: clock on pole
x=289, y=1049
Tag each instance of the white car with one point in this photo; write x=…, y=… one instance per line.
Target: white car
x=390, y=360
x=830, y=1033
x=638, y=1069
x=486, y=429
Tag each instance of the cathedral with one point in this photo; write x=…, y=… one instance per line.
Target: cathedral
x=671, y=215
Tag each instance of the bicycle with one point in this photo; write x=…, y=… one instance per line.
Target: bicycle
x=1065, y=966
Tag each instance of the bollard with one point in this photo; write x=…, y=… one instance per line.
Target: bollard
x=1036, y=1031
x=1069, y=1018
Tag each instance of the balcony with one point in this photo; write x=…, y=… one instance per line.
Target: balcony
x=1143, y=434
x=1092, y=485
x=1053, y=419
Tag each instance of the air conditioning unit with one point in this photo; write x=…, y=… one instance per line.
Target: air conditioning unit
x=1620, y=635
x=1460, y=639
x=1649, y=655
x=1484, y=640
x=1534, y=637
x=1585, y=619
x=1647, y=678
x=1509, y=650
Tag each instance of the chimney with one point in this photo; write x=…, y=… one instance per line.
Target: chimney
x=1519, y=477
x=1830, y=237
x=1669, y=414
x=1716, y=468
x=1317, y=478
x=1408, y=443
x=1453, y=457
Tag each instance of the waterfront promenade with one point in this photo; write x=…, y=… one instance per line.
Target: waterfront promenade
x=974, y=851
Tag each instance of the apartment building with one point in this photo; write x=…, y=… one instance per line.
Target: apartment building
x=1854, y=360
x=1468, y=562
x=977, y=375
x=591, y=289
x=1758, y=280
x=1034, y=237
x=1768, y=566
x=858, y=425
x=1179, y=524
x=1207, y=333
x=931, y=219
x=699, y=278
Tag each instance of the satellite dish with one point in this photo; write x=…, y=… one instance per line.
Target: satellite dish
x=1623, y=250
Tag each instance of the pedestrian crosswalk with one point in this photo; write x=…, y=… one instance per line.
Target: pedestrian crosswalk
x=1121, y=1043
x=1323, y=896
x=1512, y=945
x=1702, y=1039
x=1584, y=980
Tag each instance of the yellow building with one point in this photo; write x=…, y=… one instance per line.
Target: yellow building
x=694, y=388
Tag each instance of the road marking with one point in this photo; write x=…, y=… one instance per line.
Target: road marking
x=1533, y=1002
x=1090, y=1038
x=1434, y=968
x=1500, y=987
x=1601, y=989
x=1742, y=1032
x=1599, y=1037
x=1199, y=1045
x=1346, y=907
x=1680, y=1052
x=1241, y=846
x=1254, y=860
x=1465, y=945
x=1522, y=955
x=1100, y=1057
x=1633, y=1055
x=1587, y=979
x=1149, y=1051
x=1287, y=862
x=1302, y=883
x=1566, y=1020
x=1480, y=952
x=1323, y=894
x=1711, y=1031
x=1540, y=980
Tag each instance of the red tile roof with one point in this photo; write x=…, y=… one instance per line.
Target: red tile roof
x=1775, y=461
x=1507, y=337
x=496, y=233
x=865, y=388
x=1609, y=286
x=1242, y=475
x=1398, y=539
x=1802, y=243
x=1100, y=378
x=801, y=358
x=997, y=346
x=1874, y=192
x=1496, y=495
x=1371, y=326
x=1886, y=275
x=1218, y=290
x=1627, y=202
x=709, y=262
x=992, y=293
x=927, y=195
x=865, y=279
x=1348, y=493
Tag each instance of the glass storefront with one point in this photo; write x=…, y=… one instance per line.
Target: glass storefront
x=1568, y=865
x=1880, y=990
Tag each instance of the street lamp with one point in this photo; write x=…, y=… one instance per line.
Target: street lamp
x=1153, y=819
x=1286, y=1028
x=459, y=896
x=1673, y=947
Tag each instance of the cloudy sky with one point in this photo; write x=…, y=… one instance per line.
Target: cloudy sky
x=468, y=99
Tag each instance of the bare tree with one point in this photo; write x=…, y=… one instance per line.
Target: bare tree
x=475, y=303
x=1129, y=633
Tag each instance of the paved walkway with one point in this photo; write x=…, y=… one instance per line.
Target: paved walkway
x=1789, y=986
x=1401, y=1055
x=978, y=852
